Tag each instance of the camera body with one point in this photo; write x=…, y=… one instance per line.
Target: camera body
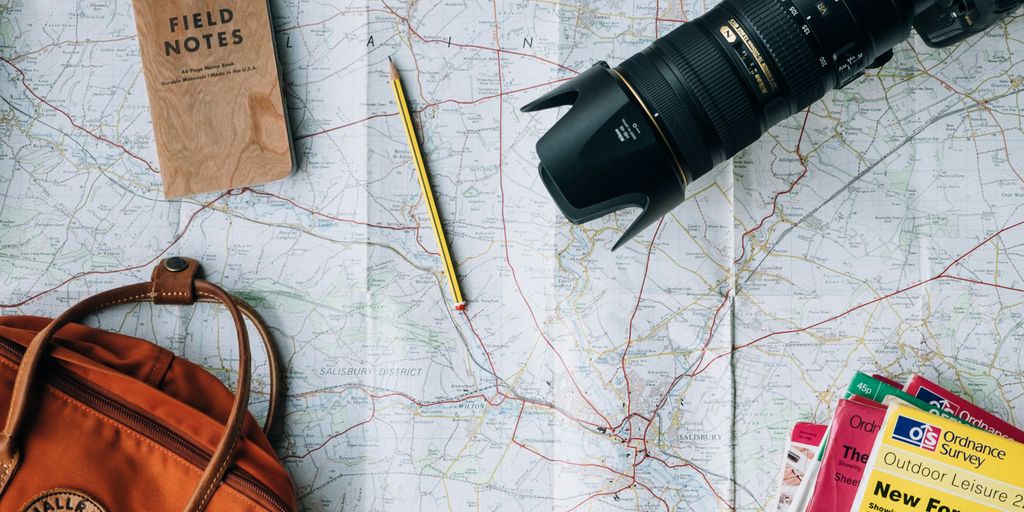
x=948, y=22
x=640, y=132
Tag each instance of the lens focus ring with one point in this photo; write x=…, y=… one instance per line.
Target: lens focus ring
x=714, y=96
x=784, y=41
x=712, y=78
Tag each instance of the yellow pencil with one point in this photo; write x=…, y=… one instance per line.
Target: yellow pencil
x=428, y=194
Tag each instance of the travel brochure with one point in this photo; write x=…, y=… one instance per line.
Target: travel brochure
x=892, y=449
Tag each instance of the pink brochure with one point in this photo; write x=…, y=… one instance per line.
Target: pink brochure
x=854, y=428
x=966, y=411
x=808, y=433
x=801, y=449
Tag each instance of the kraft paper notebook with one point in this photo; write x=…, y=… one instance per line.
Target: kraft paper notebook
x=215, y=93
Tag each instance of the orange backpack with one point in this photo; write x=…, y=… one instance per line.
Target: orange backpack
x=99, y=421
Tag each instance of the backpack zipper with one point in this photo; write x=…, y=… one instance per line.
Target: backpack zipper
x=62, y=380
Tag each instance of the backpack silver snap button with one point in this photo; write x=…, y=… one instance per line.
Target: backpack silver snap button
x=175, y=264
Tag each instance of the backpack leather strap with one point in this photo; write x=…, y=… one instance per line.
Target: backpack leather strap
x=172, y=284
x=173, y=281
x=169, y=285
x=273, y=360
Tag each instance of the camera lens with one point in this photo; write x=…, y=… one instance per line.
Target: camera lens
x=701, y=94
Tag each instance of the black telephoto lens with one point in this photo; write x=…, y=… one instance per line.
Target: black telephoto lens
x=638, y=133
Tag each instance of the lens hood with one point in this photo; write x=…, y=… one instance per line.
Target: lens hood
x=606, y=153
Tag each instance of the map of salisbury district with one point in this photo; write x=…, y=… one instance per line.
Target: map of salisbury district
x=881, y=230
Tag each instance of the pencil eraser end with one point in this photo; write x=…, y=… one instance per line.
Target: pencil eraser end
x=460, y=306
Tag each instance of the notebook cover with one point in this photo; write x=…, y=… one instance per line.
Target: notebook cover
x=214, y=92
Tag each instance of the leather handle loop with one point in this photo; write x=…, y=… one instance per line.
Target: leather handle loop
x=33, y=356
x=273, y=361
x=173, y=282
x=221, y=458
x=29, y=369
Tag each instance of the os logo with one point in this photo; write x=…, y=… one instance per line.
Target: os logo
x=916, y=433
x=933, y=398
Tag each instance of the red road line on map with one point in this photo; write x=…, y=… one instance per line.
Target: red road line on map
x=94, y=135
x=325, y=20
x=415, y=229
x=629, y=332
x=373, y=400
x=696, y=469
x=74, y=42
x=657, y=17
x=125, y=269
x=419, y=242
x=428, y=106
x=373, y=414
x=421, y=403
x=482, y=346
x=655, y=495
x=711, y=330
x=941, y=275
x=775, y=201
x=504, y=228
x=627, y=418
x=519, y=418
x=664, y=462
x=436, y=403
x=325, y=215
x=983, y=103
x=980, y=245
x=499, y=50
x=569, y=463
x=492, y=96
x=478, y=396
x=983, y=283
x=598, y=495
x=712, y=487
x=515, y=430
x=812, y=326
x=339, y=127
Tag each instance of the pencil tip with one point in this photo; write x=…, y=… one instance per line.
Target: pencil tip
x=394, y=69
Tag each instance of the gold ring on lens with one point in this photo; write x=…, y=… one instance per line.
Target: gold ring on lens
x=654, y=123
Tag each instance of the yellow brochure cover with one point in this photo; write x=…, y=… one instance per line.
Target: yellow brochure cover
x=922, y=462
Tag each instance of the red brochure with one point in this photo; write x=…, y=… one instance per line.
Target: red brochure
x=967, y=412
x=854, y=428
